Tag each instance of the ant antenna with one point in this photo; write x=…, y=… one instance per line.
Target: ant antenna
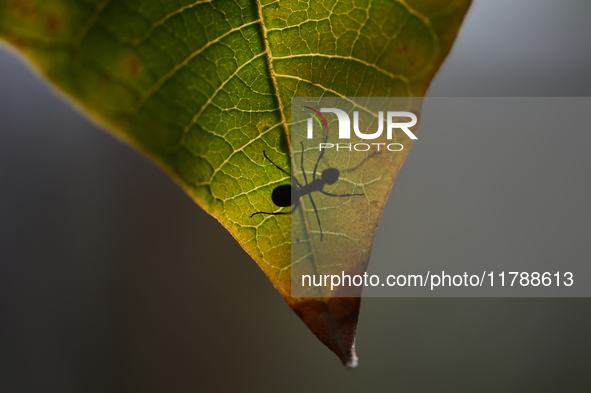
x=276, y=166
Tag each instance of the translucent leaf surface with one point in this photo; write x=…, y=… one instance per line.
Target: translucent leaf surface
x=204, y=87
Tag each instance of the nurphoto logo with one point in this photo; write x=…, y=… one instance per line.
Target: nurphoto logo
x=392, y=122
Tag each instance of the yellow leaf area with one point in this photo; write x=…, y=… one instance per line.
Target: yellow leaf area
x=205, y=87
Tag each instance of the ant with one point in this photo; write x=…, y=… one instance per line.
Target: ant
x=290, y=194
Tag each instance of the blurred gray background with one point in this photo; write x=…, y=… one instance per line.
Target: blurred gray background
x=112, y=279
x=507, y=188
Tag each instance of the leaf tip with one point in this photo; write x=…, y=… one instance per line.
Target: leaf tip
x=353, y=361
x=334, y=322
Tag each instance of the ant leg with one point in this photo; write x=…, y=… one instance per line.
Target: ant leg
x=276, y=166
x=296, y=182
x=302, y=164
x=342, y=195
x=295, y=205
x=320, y=156
x=317, y=217
x=270, y=214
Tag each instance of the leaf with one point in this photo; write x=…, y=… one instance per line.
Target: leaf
x=204, y=87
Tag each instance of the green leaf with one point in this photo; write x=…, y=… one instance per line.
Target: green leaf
x=204, y=87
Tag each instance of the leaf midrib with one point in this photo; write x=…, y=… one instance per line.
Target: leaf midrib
x=285, y=126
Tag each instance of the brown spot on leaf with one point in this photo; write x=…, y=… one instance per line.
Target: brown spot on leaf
x=132, y=65
x=403, y=51
x=54, y=22
x=21, y=8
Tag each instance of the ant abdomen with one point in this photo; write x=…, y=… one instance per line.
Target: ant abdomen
x=284, y=195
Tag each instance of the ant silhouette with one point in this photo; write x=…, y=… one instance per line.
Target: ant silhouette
x=290, y=194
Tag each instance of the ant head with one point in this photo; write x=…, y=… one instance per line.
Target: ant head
x=330, y=175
